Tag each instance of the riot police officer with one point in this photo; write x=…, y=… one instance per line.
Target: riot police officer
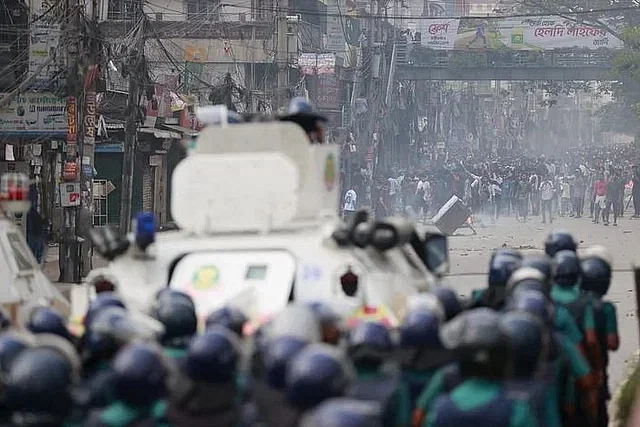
x=501, y=267
x=329, y=322
x=293, y=329
x=480, y=399
x=565, y=362
x=38, y=387
x=139, y=389
x=369, y=346
x=206, y=391
x=596, y=279
x=319, y=372
x=527, y=337
x=176, y=311
x=421, y=353
x=566, y=292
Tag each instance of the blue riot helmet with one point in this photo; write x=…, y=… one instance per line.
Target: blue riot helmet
x=420, y=328
x=344, y=412
x=165, y=294
x=329, y=321
x=596, y=270
x=542, y=263
x=317, y=373
x=559, y=240
x=102, y=300
x=369, y=344
x=568, y=269
x=449, y=301
x=506, y=251
x=177, y=313
x=228, y=317
x=289, y=332
x=38, y=387
x=113, y=327
x=532, y=302
x=140, y=375
x=501, y=268
x=528, y=278
x=476, y=338
x=45, y=320
x=527, y=339
x=420, y=345
x=213, y=356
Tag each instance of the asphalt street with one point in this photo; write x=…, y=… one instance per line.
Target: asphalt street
x=469, y=256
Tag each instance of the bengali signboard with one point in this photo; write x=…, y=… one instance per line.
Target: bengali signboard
x=317, y=63
x=328, y=97
x=44, y=39
x=531, y=33
x=31, y=113
x=90, y=118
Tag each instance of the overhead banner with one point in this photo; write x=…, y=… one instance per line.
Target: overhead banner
x=532, y=33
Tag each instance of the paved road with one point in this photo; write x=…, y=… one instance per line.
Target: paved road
x=470, y=257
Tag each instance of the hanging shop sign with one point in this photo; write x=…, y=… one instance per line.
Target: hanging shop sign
x=70, y=171
x=31, y=113
x=72, y=126
x=69, y=194
x=90, y=118
x=317, y=63
x=536, y=33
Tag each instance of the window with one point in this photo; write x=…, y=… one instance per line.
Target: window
x=203, y=10
x=263, y=10
x=120, y=10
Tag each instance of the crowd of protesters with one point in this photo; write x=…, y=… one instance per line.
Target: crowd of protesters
x=602, y=183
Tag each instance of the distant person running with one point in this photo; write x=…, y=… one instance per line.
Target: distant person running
x=479, y=36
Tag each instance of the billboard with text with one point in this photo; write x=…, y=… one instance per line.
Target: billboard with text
x=536, y=33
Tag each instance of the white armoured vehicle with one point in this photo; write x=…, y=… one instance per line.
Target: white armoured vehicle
x=257, y=208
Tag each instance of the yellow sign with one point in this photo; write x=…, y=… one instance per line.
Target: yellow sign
x=205, y=278
x=195, y=54
x=330, y=172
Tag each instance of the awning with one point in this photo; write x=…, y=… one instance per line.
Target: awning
x=160, y=134
x=184, y=131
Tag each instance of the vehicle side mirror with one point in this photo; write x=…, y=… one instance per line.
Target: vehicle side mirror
x=436, y=253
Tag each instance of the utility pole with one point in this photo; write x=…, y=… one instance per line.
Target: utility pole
x=69, y=254
x=84, y=220
x=282, y=52
x=136, y=55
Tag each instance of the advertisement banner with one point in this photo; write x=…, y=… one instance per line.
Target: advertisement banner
x=316, y=63
x=72, y=116
x=34, y=113
x=537, y=33
x=439, y=34
x=44, y=39
x=90, y=118
x=328, y=92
